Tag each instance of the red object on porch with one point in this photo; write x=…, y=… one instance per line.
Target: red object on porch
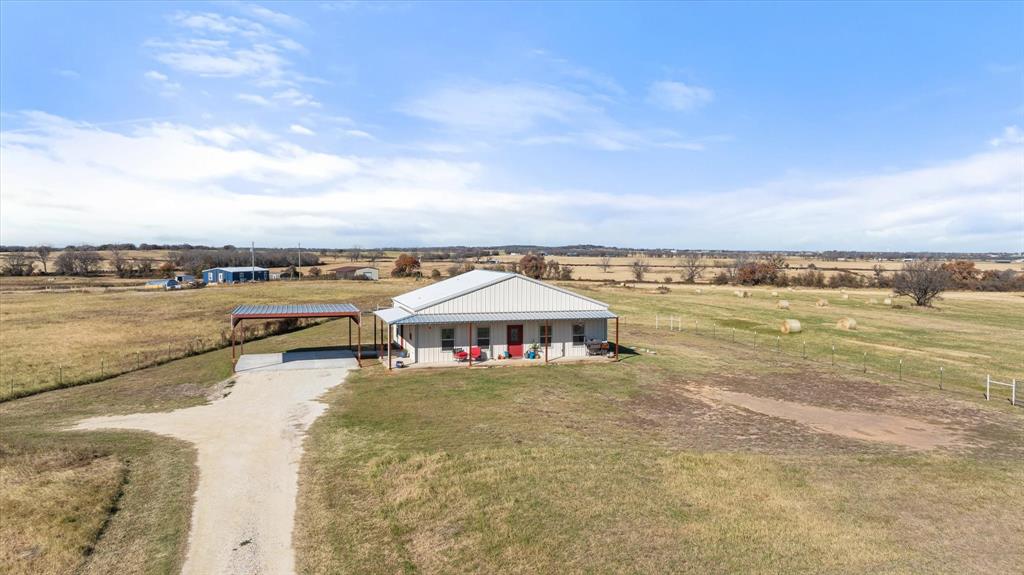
x=462, y=355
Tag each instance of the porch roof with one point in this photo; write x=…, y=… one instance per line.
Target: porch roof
x=397, y=316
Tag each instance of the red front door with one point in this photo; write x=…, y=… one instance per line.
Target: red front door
x=515, y=340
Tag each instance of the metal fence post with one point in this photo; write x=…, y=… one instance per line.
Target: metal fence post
x=864, y=362
x=1013, y=393
x=833, y=355
x=804, y=342
x=734, y=335
x=695, y=326
x=901, y=369
x=60, y=374
x=755, y=339
x=988, y=384
x=940, y=377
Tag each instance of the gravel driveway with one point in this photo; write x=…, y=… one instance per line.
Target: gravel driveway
x=249, y=445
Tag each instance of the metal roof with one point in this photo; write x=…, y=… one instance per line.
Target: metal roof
x=297, y=310
x=236, y=269
x=449, y=288
x=395, y=316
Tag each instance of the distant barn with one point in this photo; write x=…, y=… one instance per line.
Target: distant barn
x=233, y=275
x=356, y=273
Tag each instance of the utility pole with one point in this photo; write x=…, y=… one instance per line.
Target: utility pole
x=298, y=269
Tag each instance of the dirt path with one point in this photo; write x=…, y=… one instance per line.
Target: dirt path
x=249, y=445
x=854, y=424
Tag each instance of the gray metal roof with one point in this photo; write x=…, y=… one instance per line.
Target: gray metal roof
x=449, y=288
x=297, y=310
x=389, y=316
x=236, y=269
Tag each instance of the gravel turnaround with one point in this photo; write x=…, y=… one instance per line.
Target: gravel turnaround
x=249, y=445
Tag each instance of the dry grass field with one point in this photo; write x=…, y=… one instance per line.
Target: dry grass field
x=632, y=466
x=86, y=334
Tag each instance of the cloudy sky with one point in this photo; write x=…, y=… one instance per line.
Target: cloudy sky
x=894, y=127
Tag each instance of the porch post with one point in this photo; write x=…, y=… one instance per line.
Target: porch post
x=389, y=346
x=241, y=325
x=375, y=346
x=616, y=338
x=232, y=342
x=359, y=341
x=547, y=342
x=350, y=333
x=469, y=348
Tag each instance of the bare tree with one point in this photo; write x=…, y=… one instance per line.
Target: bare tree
x=605, y=262
x=121, y=264
x=693, y=267
x=43, y=253
x=640, y=268
x=17, y=264
x=355, y=253
x=922, y=280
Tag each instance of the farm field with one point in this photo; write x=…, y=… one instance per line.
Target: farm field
x=61, y=336
x=574, y=468
x=49, y=337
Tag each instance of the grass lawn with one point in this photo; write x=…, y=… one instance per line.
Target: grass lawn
x=108, y=501
x=612, y=468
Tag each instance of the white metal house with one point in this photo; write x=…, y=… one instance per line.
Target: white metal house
x=486, y=315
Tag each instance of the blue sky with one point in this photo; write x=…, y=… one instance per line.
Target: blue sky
x=749, y=126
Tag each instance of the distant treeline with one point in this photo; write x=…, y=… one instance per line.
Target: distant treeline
x=195, y=261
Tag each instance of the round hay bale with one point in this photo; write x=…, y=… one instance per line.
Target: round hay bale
x=821, y=303
x=887, y=301
x=847, y=323
x=791, y=326
x=742, y=293
x=846, y=296
x=775, y=294
x=783, y=304
x=698, y=291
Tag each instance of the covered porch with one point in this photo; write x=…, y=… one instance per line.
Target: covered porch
x=491, y=339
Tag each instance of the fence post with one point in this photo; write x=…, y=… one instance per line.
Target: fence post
x=734, y=335
x=988, y=384
x=778, y=343
x=695, y=326
x=864, y=362
x=714, y=329
x=901, y=369
x=60, y=374
x=833, y=355
x=804, y=342
x=940, y=377
x=1013, y=393
x=103, y=367
x=755, y=339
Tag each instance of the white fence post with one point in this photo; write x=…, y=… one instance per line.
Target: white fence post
x=988, y=384
x=656, y=321
x=1013, y=394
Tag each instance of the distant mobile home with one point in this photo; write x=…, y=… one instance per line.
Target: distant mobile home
x=485, y=315
x=356, y=273
x=162, y=284
x=184, y=278
x=232, y=275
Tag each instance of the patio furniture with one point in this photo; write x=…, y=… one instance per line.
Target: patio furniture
x=461, y=354
x=595, y=347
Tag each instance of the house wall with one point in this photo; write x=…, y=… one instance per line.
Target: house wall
x=514, y=294
x=423, y=342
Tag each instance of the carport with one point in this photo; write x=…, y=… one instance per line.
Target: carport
x=294, y=311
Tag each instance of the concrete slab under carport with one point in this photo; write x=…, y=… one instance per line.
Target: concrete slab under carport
x=328, y=358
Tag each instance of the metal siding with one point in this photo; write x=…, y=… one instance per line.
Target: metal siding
x=508, y=317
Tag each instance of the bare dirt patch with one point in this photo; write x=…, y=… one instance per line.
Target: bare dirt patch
x=861, y=425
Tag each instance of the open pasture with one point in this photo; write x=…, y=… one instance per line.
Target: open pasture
x=49, y=337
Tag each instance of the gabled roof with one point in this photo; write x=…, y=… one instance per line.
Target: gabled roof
x=463, y=284
x=447, y=289
x=344, y=269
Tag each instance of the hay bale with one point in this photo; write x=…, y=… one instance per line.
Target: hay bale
x=741, y=293
x=698, y=291
x=847, y=323
x=775, y=294
x=783, y=304
x=846, y=296
x=887, y=301
x=791, y=326
x=821, y=303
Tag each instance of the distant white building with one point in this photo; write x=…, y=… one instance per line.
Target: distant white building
x=487, y=315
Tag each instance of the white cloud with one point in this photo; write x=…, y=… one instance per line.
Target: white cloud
x=163, y=83
x=254, y=99
x=297, y=98
x=359, y=134
x=271, y=17
x=1012, y=135
x=301, y=130
x=679, y=96
x=222, y=184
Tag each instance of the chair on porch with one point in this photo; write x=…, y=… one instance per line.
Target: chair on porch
x=462, y=355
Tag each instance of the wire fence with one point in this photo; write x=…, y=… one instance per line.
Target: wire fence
x=920, y=369
x=105, y=365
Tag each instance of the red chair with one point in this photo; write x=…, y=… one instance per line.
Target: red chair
x=461, y=354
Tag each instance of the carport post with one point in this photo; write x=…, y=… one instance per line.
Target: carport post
x=350, y=333
x=241, y=350
x=616, y=338
x=389, y=346
x=232, y=342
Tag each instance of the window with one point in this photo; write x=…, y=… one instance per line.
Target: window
x=483, y=337
x=545, y=335
x=447, y=338
x=578, y=336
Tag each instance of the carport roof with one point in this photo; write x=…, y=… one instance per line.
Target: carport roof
x=296, y=310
